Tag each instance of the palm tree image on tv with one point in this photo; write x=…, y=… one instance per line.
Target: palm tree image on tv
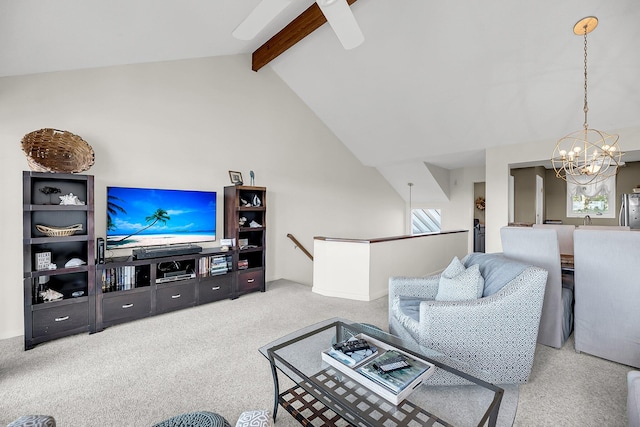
x=112, y=209
x=160, y=215
x=146, y=217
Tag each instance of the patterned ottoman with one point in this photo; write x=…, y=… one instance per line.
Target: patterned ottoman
x=195, y=419
x=33, y=421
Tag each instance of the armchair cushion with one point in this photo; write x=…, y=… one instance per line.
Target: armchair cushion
x=495, y=269
x=407, y=311
x=466, y=285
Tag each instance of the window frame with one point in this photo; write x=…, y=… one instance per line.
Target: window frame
x=606, y=187
x=439, y=224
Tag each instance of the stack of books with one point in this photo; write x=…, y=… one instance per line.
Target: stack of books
x=387, y=371
x=213, y=265
x=119, y=278
x=218, y=265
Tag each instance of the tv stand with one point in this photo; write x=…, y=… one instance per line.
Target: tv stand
x=130, y=288
x=148, y=252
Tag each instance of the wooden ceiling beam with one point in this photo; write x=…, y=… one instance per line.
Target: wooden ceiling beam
x=308, y=21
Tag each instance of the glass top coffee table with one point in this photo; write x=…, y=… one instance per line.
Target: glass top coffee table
x=318, y=394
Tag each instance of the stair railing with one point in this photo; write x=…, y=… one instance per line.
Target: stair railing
x=299, y=245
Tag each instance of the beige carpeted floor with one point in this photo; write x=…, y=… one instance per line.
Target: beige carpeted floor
x=206, y=358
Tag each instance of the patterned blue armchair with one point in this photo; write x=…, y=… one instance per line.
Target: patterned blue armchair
x=492, y=330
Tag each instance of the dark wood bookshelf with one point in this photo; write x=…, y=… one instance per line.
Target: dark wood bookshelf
x=252, y=277
x=45, y=321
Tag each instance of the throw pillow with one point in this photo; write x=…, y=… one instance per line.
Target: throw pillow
x=33, y=421
x=454, y=268
x=258, y=418
x=465, y=286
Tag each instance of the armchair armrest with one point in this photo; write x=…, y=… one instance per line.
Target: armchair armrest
x=419, y=287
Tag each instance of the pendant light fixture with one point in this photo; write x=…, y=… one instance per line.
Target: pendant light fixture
x=587, y=156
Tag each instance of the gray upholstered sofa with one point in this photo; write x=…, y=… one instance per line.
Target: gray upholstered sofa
x=494, y=334
x=607, y=294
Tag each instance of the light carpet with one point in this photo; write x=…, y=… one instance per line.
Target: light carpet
x=206, y=358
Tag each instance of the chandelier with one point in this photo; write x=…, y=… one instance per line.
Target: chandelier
x=587, y=156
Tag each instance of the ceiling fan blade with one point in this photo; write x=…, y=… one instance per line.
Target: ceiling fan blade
x=259, y=17
x=342, y=21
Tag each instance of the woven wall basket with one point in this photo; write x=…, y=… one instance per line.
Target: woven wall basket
x=52, y=150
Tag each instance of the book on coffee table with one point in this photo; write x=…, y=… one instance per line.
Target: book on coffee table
x=403, y=372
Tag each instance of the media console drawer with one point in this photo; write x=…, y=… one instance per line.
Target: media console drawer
x=57, y=319
x=126, y=305
x=175, y=296
x=251, y=281
x=214, y=288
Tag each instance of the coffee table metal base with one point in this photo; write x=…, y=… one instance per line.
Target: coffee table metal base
x=309, y=411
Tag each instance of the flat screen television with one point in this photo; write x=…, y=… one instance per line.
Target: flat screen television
x=149, y=217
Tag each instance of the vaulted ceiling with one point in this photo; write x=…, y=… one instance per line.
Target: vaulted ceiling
x=432, y=86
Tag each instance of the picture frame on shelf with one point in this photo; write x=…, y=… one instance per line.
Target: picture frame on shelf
x=43, y=260
x=236, y=177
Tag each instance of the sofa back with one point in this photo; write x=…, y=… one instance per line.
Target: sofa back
x=496, y=269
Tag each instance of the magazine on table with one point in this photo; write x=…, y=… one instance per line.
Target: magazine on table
x=393, y=370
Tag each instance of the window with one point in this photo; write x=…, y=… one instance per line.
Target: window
x=425, y=221
x=592, y=199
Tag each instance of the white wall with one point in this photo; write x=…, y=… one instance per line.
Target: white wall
x=184, y=125
x=458, y=212
x=360, y=270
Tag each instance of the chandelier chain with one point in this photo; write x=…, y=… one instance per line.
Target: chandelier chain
x=586, y=105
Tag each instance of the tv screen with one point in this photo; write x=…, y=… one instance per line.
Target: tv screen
x=150, y=216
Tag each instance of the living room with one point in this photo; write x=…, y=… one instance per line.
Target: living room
x=185, y=123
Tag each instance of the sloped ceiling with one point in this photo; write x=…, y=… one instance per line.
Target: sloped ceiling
x=435, y=83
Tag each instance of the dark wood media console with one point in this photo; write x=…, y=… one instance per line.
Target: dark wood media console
x=128, y=289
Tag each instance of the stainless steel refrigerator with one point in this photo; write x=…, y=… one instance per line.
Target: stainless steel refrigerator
x=630, y=210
